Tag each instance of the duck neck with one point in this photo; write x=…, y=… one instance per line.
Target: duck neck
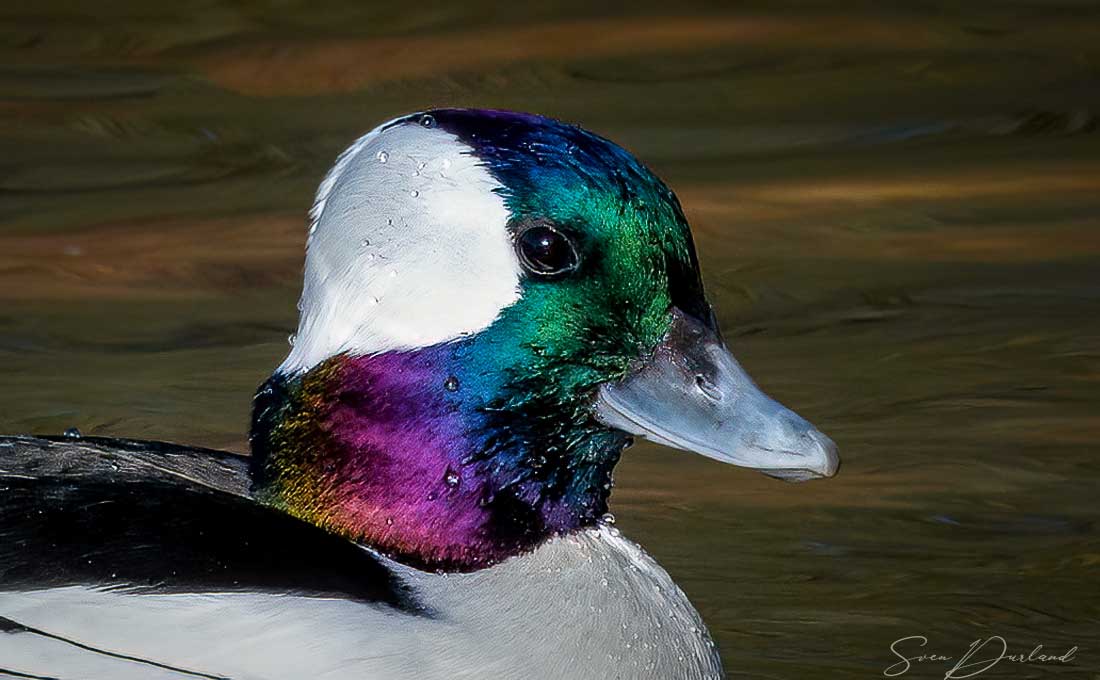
x=437, y=467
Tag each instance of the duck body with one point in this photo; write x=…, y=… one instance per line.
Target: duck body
x=160, y=565
x=494, y=303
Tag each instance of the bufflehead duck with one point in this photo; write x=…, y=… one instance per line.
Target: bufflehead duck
x=494, y=304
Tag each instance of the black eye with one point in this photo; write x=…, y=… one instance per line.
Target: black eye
x=545, y=251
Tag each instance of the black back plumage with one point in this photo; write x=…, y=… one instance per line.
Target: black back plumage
x=151, y=517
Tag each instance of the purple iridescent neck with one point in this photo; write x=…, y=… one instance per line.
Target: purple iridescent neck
x=440, y=467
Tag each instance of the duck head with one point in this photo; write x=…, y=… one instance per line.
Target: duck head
x=494, y=304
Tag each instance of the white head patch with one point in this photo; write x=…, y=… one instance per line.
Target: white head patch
x=408, y=247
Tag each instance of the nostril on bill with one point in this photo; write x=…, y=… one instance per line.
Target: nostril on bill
x=707, y=388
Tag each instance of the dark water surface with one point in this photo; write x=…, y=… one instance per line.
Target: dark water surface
x=897, y=208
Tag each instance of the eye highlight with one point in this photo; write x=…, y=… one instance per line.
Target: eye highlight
x=545, y=251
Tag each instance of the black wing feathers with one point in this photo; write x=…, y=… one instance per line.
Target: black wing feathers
x=149, y=527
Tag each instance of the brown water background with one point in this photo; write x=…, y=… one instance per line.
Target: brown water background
x=897, y=206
